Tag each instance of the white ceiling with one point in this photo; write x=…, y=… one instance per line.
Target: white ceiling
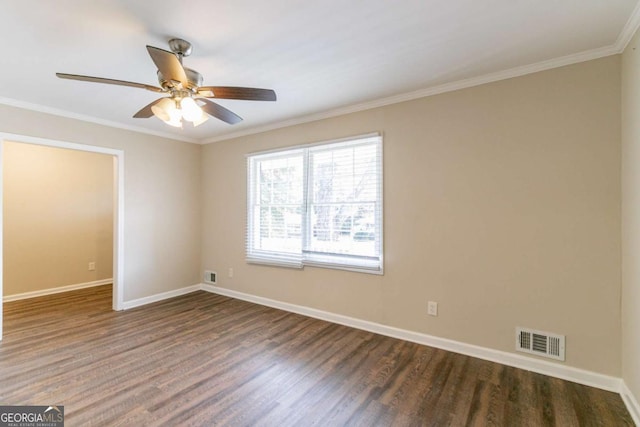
x=322, y=57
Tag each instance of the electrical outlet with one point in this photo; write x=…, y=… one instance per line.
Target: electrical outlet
x=92, y=266
x=230, y=272
x=432, y=308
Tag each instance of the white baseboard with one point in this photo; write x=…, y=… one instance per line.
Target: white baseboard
x=51, y=291
x=568, y=373
x=159, y=297
x=632, y=403
x=580, y=376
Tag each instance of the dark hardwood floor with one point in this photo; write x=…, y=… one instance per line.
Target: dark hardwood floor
x=204, y=359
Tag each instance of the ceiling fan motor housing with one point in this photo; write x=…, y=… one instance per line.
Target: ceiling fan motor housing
x=194, y=80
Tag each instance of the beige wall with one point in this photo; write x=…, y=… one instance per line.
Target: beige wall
x=162, y=211
x=501, y=202
x=631, y=216
x=57, y=217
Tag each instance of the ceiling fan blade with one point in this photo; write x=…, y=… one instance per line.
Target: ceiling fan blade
x=244, y=93
x=168, y=64
x=220, y=112
x=146, y=111
x=108, y=81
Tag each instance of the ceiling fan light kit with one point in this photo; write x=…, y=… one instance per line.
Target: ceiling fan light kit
x=173, y=110
x=185, y=90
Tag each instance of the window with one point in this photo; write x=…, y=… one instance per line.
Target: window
x=317, y=205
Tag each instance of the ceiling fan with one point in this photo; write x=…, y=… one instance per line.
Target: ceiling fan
x=187, y=99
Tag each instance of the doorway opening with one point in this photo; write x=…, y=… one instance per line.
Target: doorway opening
x=115, y=232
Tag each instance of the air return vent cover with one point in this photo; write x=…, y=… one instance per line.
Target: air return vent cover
x=210, y=277
x=541, y=343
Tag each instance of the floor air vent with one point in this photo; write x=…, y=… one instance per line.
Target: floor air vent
x=541, y=343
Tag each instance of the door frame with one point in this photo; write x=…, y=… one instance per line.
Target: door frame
x=118, y=208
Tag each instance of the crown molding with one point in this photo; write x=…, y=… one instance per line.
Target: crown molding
x=575, y=58
x=85, y=118
x=629, y=29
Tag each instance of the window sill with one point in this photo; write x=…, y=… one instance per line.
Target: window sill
x=301, y=265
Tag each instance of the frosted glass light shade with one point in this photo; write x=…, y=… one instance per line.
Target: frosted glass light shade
x=162, y=109
x=175, y=117
x=203, y=118
x=190, y=110
x=167, y=111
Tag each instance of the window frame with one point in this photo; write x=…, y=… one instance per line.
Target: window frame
x=299, y=261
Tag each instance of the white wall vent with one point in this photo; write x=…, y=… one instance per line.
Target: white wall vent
x=210, y=277
x=541, y=343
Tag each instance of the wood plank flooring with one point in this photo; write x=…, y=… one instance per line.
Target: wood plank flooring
x=204, y=359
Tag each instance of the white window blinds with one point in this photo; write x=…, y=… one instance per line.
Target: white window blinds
x=317, y=205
